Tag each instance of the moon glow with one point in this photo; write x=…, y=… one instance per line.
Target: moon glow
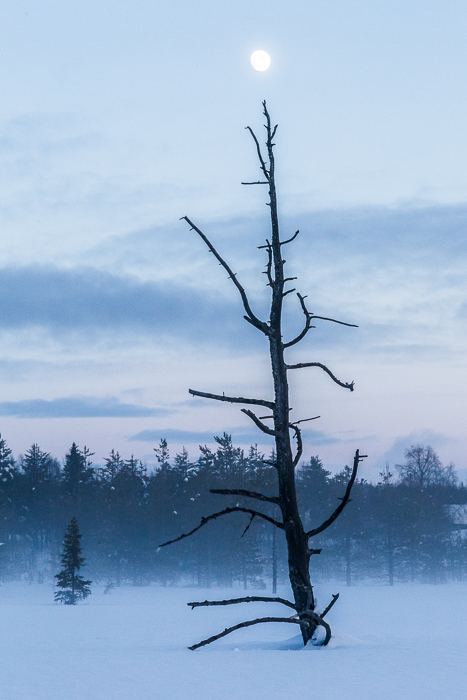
x=260, y=60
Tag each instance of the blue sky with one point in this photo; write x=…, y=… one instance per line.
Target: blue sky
x=118, y=118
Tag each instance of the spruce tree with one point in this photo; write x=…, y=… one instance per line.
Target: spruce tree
x=73, y=586
x=77, y=470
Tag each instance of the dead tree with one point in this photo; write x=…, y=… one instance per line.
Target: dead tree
x=282, y=430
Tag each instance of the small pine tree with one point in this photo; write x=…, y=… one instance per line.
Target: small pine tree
x=73, y=586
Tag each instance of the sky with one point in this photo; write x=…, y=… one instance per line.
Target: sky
x=118, y=118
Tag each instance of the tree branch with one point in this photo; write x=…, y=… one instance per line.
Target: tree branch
x=247, y=527
x=258, y=182
x=269, y=263
x=322, y=623
x=258, y=621
x=335, y=596
x=257, y=422
x=309, y=317
x=301, y=365
x=357, y=459
x=313, y=618
x=244, y=492
x=232, y=399
x=304, y=420
x=261, y=325
x=298, y=437
x=226, y=511
x=342, y=323
x=248, y=599
x=289, y=240
x=258, y=150
x=307, y=326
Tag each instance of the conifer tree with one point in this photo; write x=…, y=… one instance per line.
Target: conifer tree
x=77, y=469
x=73, y=586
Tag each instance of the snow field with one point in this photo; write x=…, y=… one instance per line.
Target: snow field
x=406, y=642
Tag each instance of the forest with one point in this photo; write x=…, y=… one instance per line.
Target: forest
x=408, y=527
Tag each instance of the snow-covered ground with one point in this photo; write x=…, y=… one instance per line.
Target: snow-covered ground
x=406, y=642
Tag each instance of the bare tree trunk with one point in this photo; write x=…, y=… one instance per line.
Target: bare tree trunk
x=348, y=553
x=274, y=561
x=297, y=538
x=390, y=559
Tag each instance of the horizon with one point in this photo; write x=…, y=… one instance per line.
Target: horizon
x=114, y=128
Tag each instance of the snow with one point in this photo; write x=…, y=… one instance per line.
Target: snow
x=405, y=642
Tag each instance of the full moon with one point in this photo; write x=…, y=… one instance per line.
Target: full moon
x=260, y=60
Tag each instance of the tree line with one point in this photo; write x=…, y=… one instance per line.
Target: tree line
x=403, y=528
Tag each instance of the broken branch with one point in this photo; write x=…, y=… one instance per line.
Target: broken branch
x=232, y=399
x=335, y=596
x=298, y=437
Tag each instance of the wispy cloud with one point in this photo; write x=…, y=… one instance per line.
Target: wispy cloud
x=78, y=407
x=77, y=300
x=239, y=436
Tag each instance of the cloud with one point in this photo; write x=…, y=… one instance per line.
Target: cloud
x=172, y=435
x=398, y=274
x=77, y=407
x=79, y=300
x=239, y=436
x=403, y=235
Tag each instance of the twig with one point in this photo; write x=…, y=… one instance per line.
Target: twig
x=301, y=365
x=258, y=423
x=307, y=326
x=291, y=239
x=269, y=264
x=304, y=420
x=247, y=527
x=261, y=325
x=247, y=599
x=226, y=511
x=258, y=150
x=298, y=437
x=244, y=492
x=323, y=318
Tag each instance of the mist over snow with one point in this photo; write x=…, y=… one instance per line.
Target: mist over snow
x=133, y=644
x=119, y=119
